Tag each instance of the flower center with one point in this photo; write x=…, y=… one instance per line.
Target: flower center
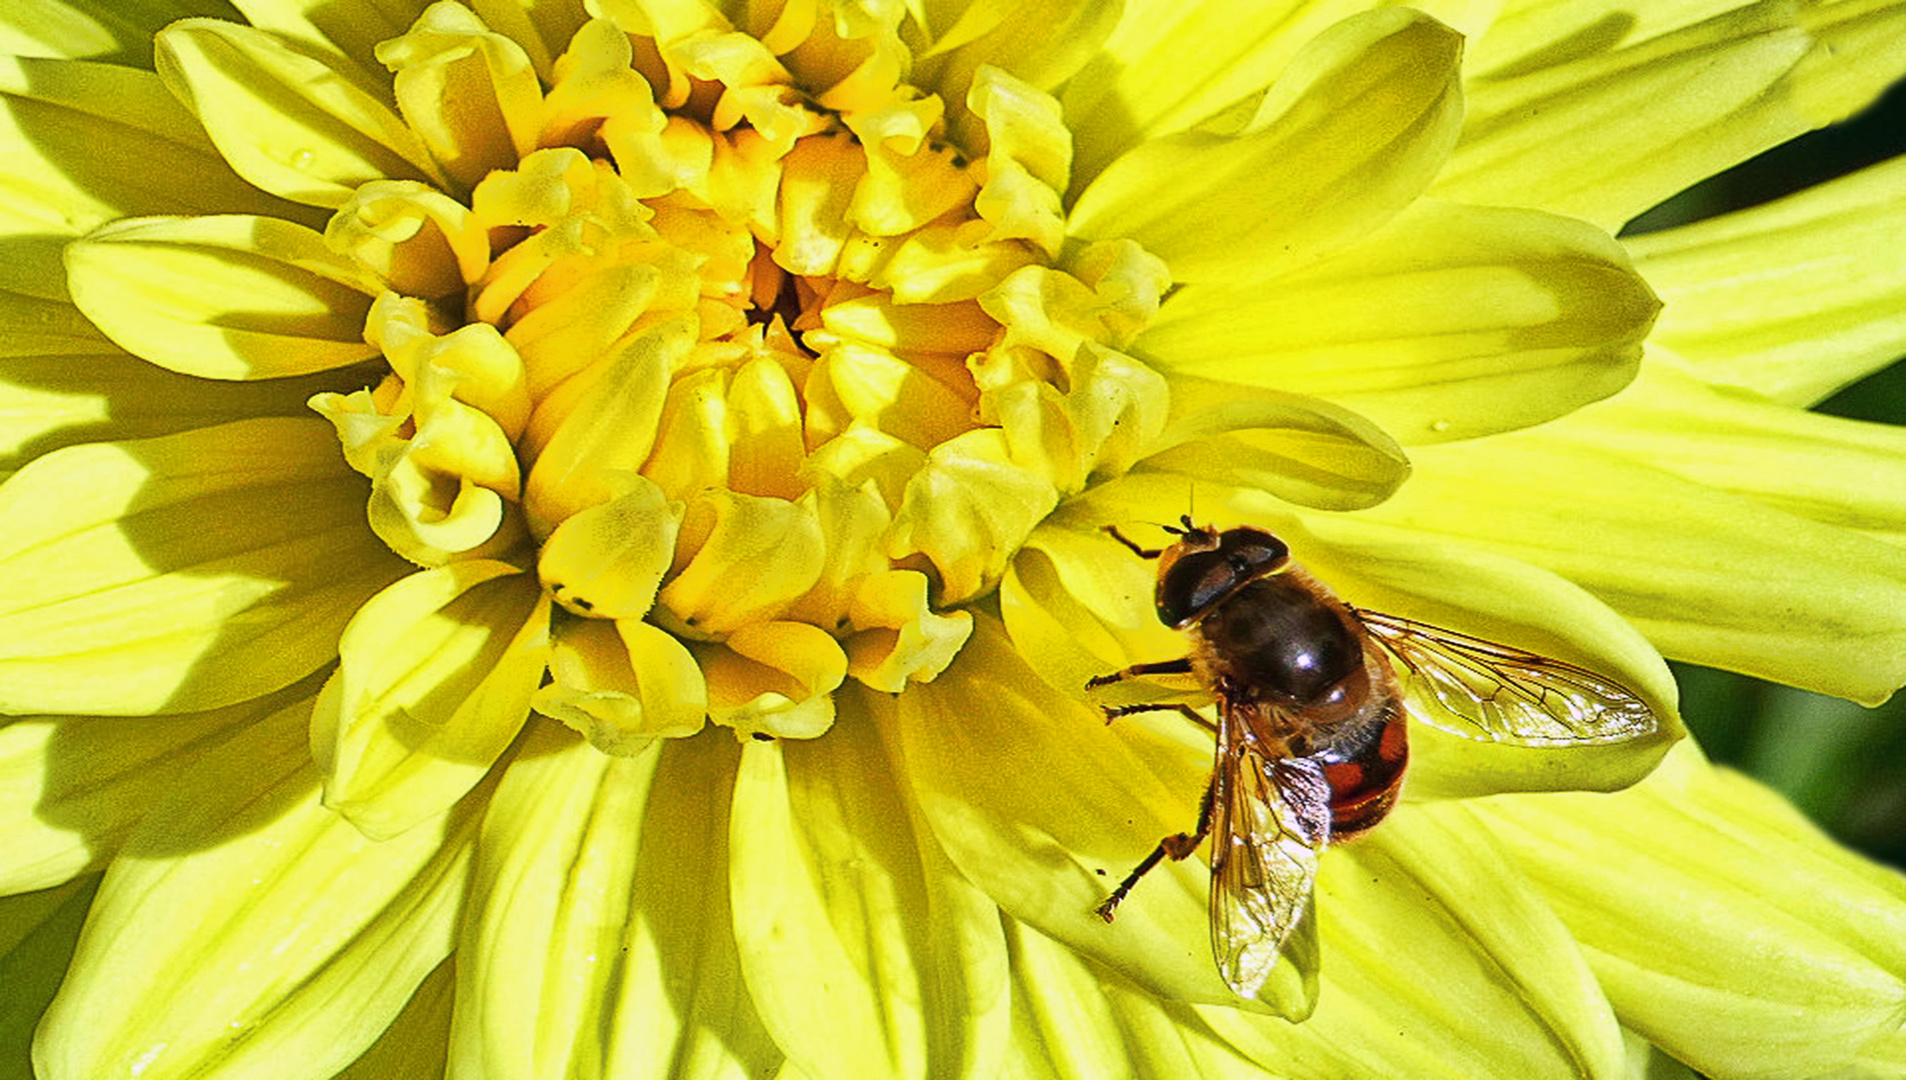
x=779, y=374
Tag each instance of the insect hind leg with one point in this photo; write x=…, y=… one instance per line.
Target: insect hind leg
x=1177, y=847
x=1113, y=712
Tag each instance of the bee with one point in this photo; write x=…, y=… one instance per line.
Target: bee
x=1311, y=734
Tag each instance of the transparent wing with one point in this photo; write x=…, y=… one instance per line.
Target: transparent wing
x=1273, y=819
x=1481, y=690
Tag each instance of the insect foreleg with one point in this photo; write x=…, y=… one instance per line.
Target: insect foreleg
x=1176, y=847
x=1180, y=666
x=1141, y=552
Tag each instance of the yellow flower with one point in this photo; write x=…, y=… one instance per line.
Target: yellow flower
x=565, y=539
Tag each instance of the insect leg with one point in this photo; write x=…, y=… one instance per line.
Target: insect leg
x=1113, y=712
x=1143, y=553
x=1177, y=847
x=1180, y=666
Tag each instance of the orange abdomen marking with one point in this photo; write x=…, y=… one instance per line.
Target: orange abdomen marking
x=1364, y=787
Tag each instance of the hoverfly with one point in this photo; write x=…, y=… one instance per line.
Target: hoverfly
x=1311, y=739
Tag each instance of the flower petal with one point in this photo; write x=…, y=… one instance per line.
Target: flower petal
x=1845, y=473
x=1723, y=926
x=72, y=787
x=434, y=681
x=471, y=93
x=228, y=297
x=56, y=393
x=58, y=115
x=1041, y=43
x=1141, y=83
x=1045, y=845
x=77, y=29
x=37, y=934
x=608, y=560
x=1604, y=134
x=1750, y=589
x=622, y=684
x=1439, y=959
x=1203, y=202
x=861, y=960
x=608, y=429
x=291, y=940
x=747, y=559
x=598, y=938
x=1793, y=299
x=287, y=122
x=1450, y=322
x=416, y=1043
x=180, y=573
x=1075, y=1020
x=968, y=509
x=1306, y=451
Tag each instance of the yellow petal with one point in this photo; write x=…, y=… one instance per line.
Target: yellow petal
x=853, y=383
x=774, y=679
x=899, y=639
x=37, y=934
x=1137, y=87
x=223, y=297
x=1705, y=594
x=285, y=121
x=1793, y=299
x=136, y=564
x=417, y=1041
x=582, y=324
x=1028, y=159
x=860, y=961
x=598, y=936
x=72, y=787
x=622, y=685
x=1073, y=1020
x=291, y=939
x=63, y=393
x=58, y=114
x=72, y=30
x=1722, y=925
x=1297, y=185
x=425, y=243
x=691, y=442
x=1042, y=43
x=470, y=93
x=344, y=33
x=1607, y=133
x=1450, y=322
x=608, y=560
x=1304, y=450
x=434, y=681
x=1840, y=472
x=1440, y=958
x=968, y=509
x=595, y=450
x=748, y=558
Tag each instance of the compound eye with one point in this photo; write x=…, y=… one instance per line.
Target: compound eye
x=1253, y=552
x=1193, y=585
